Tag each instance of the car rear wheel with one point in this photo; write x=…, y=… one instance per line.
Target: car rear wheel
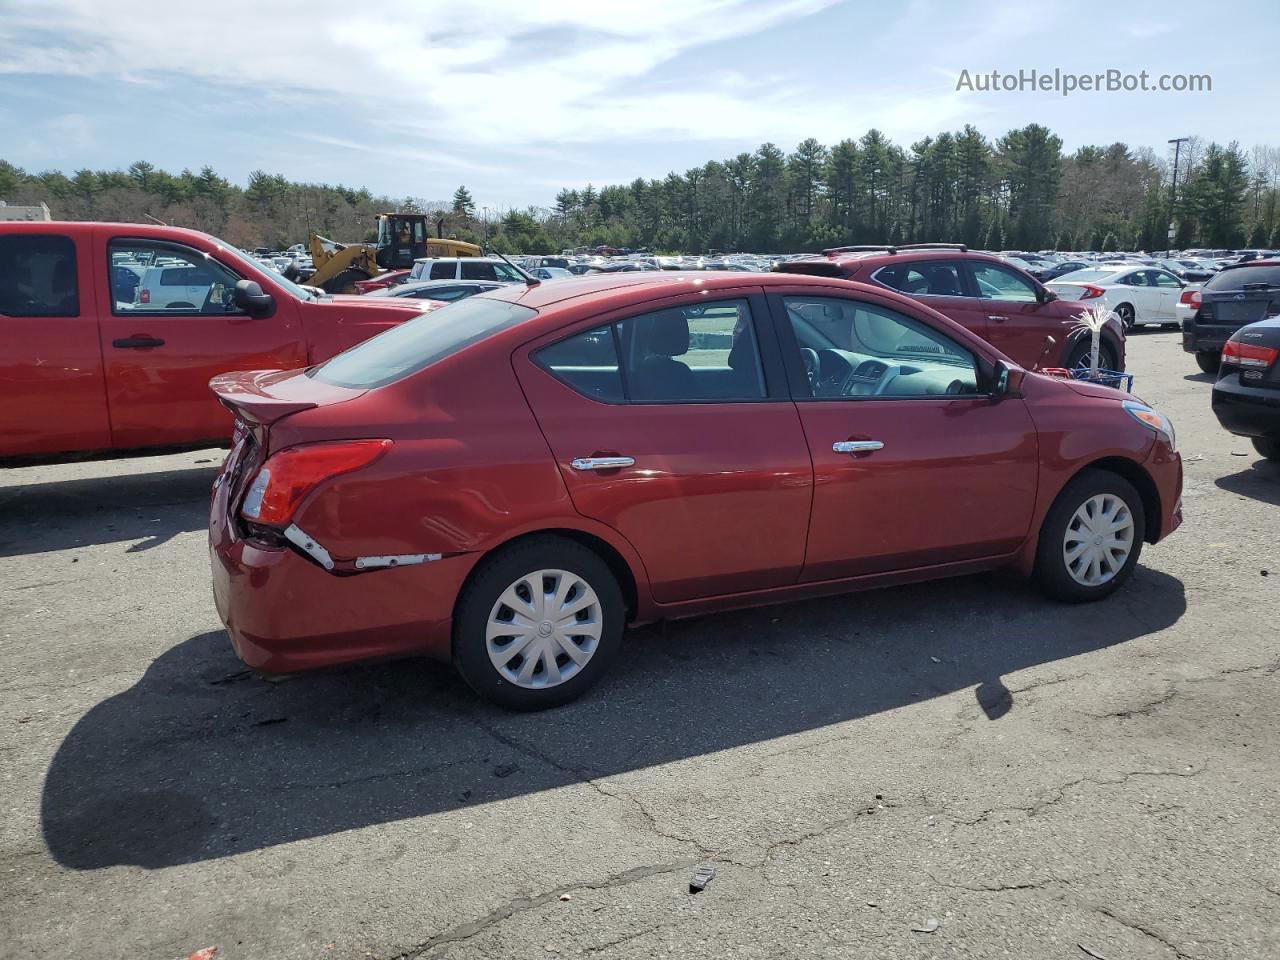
x=537, y=624
x=1126, y=315
x=1091, y=538
x=1267, y=448
x=1208, y=360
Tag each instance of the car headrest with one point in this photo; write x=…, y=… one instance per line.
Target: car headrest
x=669, y=335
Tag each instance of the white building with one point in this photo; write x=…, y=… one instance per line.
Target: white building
x=24, y=213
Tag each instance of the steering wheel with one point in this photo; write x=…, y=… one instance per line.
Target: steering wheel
x=811, y=367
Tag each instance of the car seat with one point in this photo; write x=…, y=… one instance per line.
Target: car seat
x=659, y=376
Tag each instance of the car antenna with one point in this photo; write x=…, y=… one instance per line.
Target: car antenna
x=529, y=279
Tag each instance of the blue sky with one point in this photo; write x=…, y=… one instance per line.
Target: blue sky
x=516, y=99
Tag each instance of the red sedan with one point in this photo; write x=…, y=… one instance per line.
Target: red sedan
x=510, y=480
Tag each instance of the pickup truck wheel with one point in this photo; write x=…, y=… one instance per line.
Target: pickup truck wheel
x=1267, y=447
x=1091, y=538
x=1208, y=360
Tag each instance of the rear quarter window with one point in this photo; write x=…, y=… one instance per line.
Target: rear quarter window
x=38, y=276
x=420, y=342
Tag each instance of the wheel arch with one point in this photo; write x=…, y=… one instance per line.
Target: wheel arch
x=1137, y=475
x=1125, y=467
x=629, y=581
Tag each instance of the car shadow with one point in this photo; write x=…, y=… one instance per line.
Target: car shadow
x=1260, y=482
x=202, y=759
x=148, y=507
x=1201, y=377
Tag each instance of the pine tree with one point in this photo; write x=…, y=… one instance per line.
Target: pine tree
x=463, y=204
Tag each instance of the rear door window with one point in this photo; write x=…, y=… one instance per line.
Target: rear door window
x=699, y=353
x=923, y=278
x=38, y=276
x=478, y=270
x=444, y=270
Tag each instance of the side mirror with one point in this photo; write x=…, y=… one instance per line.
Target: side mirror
x=1006, y=381
x=1045, y=295
x=251, y=298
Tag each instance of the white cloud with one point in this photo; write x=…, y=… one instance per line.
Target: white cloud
x=499, y=72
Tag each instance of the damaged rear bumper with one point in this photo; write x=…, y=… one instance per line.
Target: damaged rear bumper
x=287, y=609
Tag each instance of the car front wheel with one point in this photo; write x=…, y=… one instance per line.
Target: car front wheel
x=537, y=624
x=1208, y=360
x=1091, y=538
x=1267, y=448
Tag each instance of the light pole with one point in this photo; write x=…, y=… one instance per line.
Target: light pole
x=1173, y=187
x=486, y=223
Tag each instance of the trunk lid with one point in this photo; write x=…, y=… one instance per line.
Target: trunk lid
x=263, y=397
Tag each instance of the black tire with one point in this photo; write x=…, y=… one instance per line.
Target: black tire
x=1267, y=447
x=484, y=590
x=344, y=282
x=1080, y=354
x=180, y=305
x=1208, y=360
x=1051, y=571
x=1126, y=315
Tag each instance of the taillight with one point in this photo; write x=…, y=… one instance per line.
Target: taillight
x=144, y=295
x=288, y=476
x=1189, y=297
x=1249, y=355
x=1090, y=292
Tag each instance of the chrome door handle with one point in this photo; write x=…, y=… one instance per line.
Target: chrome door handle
x=856, y=446
x=998, y=319
x=602, y=463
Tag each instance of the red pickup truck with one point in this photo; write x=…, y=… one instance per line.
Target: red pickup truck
x=109, y=333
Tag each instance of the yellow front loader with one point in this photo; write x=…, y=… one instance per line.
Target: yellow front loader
x=402, y=238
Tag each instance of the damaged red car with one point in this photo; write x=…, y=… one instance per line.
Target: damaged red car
x=510, y=480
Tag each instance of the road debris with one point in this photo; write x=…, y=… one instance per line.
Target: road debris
x=701, y=877
x=928, y=926
x=1093, y=953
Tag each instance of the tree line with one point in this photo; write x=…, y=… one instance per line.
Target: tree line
x=1020, y=191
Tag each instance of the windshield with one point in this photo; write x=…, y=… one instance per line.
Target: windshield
x=420, y=342
x=277, y=278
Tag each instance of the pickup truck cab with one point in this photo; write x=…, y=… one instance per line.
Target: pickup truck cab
x=110, y=333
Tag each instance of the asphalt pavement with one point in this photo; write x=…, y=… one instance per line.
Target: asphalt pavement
x=955, y=769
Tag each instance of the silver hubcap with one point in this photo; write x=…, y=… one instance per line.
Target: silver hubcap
x=1098, y=540
x=543, y=629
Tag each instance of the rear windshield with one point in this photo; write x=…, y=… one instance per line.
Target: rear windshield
x=1083, y=276
x=420, y=342
x=1236, y=278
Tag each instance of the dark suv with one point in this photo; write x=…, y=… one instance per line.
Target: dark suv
x=1005, y=306
x=1239, y=294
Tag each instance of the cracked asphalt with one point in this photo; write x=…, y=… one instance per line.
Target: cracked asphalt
x=1039, y=781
